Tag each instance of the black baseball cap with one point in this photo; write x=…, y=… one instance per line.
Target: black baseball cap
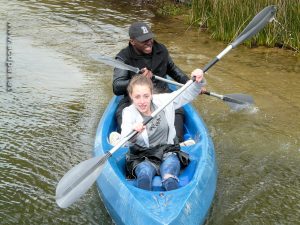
x=140, y=31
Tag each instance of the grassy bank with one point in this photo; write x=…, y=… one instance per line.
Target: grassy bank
x=225, y=19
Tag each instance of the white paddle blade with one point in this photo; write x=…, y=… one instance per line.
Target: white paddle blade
x=77, y=181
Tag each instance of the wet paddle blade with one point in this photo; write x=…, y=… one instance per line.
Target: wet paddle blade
x=78, y=180
x=81, y=177
x=114, y=63
x=238, y=101
x=239, y=98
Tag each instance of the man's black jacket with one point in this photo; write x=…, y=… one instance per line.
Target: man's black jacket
x=159, y=62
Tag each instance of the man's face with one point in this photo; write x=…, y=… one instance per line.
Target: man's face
x=144, y=47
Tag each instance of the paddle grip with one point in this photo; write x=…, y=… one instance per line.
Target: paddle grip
x=147, y=120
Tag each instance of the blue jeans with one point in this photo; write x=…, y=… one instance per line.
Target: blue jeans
x=169, y=171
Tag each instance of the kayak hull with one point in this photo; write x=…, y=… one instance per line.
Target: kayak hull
x=188, y=204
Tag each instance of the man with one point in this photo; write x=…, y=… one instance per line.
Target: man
x=153, y=59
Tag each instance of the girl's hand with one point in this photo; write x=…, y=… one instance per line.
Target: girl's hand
x=139, y=127
x=198, y=74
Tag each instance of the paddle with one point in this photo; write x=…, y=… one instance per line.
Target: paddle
x=233, y=99
x=79, y=179
x=256, y=24
x=119, y=64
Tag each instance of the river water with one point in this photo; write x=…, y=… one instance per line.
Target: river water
x=58, y=94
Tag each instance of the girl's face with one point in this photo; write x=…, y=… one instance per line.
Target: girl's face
x=141, y=97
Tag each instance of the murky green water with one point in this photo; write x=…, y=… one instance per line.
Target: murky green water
x=48, y=120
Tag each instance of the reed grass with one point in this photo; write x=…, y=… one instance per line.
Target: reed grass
x=225, y=19
x=169, y=8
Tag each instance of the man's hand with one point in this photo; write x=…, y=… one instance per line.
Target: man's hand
x=147, y=73
x=202, y=91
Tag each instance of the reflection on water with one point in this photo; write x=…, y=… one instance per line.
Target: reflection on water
x=48, y=121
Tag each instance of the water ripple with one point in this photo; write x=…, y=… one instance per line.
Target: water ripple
x=48, y=121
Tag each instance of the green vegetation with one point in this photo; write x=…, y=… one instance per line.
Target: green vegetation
x=170, y=8
x=225, y=19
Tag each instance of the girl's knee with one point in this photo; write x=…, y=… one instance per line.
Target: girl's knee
x=170, y=166
x=145, y=168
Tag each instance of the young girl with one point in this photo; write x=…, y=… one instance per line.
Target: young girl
x=155, y=150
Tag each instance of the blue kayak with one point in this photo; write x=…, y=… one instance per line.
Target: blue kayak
x=127, y=204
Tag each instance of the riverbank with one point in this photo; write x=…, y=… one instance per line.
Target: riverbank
x=223, y=19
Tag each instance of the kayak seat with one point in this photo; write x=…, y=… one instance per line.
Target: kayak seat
x=185, y=176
